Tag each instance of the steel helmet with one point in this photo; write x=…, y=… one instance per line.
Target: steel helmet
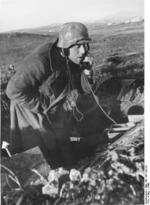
x=72, y=33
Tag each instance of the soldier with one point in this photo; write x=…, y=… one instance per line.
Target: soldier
x=43, y=94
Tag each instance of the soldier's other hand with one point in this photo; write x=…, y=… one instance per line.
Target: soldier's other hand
x=71, y=100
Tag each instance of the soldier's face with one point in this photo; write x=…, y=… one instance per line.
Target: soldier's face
x=78, y=52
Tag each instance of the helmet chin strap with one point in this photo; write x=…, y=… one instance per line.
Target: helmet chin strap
x=64, y=52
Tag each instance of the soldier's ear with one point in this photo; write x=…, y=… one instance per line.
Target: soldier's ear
x=65, y=52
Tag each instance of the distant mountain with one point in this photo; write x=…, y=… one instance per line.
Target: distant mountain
x=122, y=18
x=110, y=20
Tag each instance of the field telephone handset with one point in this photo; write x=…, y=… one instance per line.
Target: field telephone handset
x=87, y=65
x=88, y=71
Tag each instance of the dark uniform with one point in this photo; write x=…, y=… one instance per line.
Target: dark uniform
x=38, y=91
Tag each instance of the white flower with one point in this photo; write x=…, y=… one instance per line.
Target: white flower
x=50, y=189
x=85, y=177
x=92, y=182
x=75, y=175
x=53, y=176
x=61, y=171
x=114, y=156
x=5, y=144
x=88, y=170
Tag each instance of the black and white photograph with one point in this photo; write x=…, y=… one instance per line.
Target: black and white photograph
x=73, y=102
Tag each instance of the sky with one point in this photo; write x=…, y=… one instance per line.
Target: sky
x=18, y=14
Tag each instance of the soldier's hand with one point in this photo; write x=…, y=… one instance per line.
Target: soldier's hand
x=87, y=68
x=71, y=100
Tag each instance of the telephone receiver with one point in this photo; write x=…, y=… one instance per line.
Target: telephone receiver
x=88, y=62
x=87, y=68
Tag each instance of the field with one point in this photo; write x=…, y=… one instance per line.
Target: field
x=118, y=51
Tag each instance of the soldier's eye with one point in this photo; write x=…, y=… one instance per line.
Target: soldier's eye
x=86, y=46
x=78, y=45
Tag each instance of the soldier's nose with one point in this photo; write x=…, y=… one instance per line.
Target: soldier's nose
x=82, y=49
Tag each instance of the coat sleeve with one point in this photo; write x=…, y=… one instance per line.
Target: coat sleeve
x=23, y=87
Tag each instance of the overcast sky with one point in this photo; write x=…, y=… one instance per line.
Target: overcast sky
x=16, y=14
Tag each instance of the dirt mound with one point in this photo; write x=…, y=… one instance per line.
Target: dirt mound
x=114, y=176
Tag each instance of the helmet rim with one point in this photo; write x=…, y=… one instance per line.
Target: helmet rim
x=73, y=33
